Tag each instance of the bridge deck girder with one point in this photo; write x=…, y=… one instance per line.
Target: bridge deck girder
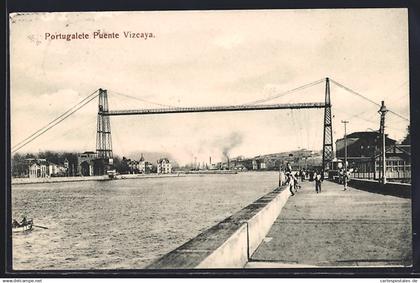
x=214, y=109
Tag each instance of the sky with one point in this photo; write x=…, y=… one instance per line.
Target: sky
x=200, y=58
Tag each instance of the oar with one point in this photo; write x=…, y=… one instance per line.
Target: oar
x=40, y=226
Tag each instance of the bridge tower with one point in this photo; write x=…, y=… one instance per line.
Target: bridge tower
x=327, y=148
x=103, y=133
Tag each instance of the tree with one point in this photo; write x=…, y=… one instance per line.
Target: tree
x=407, y=139
x=50, y=156
x=125, y=169
x=19, y=165
x=121, y=165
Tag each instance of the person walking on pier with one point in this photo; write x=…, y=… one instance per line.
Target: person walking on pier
x=318, y=181
x=345, y=180
x=296, y=181
x=311, y=176
x=290, y=182
x=302, y=175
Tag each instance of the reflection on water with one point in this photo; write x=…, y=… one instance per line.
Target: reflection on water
x=124, y=223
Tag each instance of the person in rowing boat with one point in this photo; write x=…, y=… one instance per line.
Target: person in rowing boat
x=15, y=223
x=24, y=221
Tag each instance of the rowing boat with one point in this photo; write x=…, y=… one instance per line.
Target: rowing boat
x=23, y=228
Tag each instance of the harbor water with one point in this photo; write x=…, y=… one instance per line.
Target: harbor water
x=124, y=224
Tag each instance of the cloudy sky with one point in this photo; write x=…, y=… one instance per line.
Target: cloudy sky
x=207, y=58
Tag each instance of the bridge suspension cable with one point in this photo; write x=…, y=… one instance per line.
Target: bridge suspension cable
x=139, y=99
x=286, y=92
x=365, y=98
x=56, y=121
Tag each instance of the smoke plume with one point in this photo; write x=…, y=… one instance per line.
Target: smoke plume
x=230, y=142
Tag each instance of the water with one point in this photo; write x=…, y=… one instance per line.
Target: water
x=124, y=223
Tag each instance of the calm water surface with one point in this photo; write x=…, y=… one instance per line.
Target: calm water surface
x=124, y=223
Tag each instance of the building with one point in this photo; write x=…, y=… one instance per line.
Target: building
x=254, y=164
x=247, y=163
x=398, y=165
x=57, y=170
x=38, y=168
x=133, y=166
x=88, y=164
x=398, y=162
x=66, y=163
x=164, y=166
x=361, y=145
x=259, y=163
x=41, y=168
x=144, y=166
x=364, y=156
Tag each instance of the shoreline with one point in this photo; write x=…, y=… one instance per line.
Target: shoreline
x=27, y=181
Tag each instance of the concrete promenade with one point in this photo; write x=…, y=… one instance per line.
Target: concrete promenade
x=337, y=228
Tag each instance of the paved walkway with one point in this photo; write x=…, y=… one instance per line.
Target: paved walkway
x=338, y=228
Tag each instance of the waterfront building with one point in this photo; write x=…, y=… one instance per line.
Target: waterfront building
x=38, y=168
x=142, y=164
x=164, y=166
x=133, y=166
x=213, y=166
x=240, y=167
x=398, y=164
x=361, y=145
x=52, y=168
x=42, y=168
x=86, y=163
x=56, y=170
x=34, y=170
x=254, y=164
x=145, y=167
x=263, y=165
x=364, y=156
x=259, y=163
x=66, y=163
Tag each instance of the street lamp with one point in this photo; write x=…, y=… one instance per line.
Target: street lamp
x=383, y=111
x=345, y=153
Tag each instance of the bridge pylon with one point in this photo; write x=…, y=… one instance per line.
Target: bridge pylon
x=327, y=148
x=103, y=133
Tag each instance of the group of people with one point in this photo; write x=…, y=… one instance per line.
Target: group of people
x=292, y=179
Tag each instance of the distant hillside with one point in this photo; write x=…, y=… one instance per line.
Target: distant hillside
x=296, y=153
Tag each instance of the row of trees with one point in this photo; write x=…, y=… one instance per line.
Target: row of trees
x=20, y=161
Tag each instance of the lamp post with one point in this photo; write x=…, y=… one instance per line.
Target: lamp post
x=383, y=111
x=345, y=153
